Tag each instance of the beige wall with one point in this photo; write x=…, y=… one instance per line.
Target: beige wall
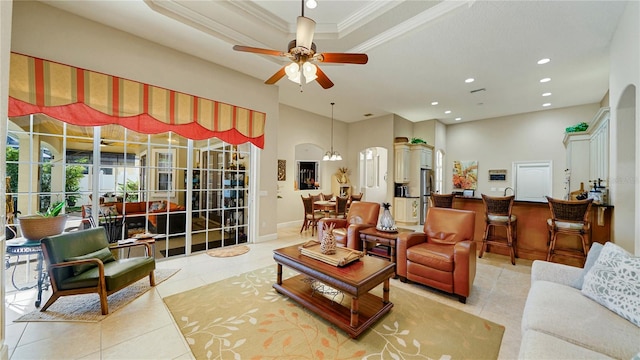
x=496, y=143
x=624, y=97
x=300, y=127
x=80, y=42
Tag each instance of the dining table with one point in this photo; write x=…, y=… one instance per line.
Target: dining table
x=324, y=205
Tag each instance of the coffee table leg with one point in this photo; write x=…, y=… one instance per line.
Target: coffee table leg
x=279, y=272
x=354, y=311
x=385, y=292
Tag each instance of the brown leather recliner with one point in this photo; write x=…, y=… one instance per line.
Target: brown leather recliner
x=444, y=255
x=361, y=215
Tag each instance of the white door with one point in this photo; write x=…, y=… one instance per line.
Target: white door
x=532, y=180
x=373, y=174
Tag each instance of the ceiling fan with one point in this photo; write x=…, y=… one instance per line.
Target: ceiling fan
x=302, y=53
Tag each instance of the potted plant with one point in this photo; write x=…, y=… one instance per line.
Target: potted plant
x=41, y=225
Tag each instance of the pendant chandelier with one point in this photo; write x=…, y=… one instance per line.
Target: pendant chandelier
x=332, y=155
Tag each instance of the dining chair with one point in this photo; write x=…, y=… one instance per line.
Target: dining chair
x=311, y=217
x=327, y=197
x=352, y=198
x=570, y=217
x=341, y=208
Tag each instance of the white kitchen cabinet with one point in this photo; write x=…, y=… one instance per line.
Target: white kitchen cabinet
x=406, y=210
x=403, y=163
x=588, y=152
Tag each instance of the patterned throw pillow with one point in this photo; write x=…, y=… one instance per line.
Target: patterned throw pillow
x=614, y=282
x=108, y=210
x=157, y=206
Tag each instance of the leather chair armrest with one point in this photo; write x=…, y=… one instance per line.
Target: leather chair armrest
x=403, y=242
x=338, y=223
x=353, y=235
x=464, y=258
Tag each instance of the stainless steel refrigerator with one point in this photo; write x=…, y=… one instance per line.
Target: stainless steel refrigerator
x=426, y=185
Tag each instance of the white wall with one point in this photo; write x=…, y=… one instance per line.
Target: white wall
x=83, y=43
x=496, y=143
x=5, y=46
x=625, y=128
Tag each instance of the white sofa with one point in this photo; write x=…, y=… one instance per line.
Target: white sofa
x=559, y=322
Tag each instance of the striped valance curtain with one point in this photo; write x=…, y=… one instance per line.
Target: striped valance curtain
x=87, y=98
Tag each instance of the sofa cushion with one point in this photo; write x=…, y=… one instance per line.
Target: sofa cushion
x=436, y=256
x=117, y=274
x=614, y=282
x=103, y=254
x=592, y=256
x=563, y=312
x=536, y=345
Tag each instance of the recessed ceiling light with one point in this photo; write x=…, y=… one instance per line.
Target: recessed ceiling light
x=544, y=80
x=546, y=94
x=448, y=112
x=458, y=118
x=546, y=104
x=311, y=4
x=470, y=80
x=434, y=103
x=543, y=61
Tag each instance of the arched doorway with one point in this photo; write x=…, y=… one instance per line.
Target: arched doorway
x=625, y=194
x=373, y=174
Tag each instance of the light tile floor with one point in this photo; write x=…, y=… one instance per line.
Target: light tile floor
x=144, y=329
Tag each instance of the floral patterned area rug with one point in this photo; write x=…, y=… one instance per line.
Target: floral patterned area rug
x=244, y=317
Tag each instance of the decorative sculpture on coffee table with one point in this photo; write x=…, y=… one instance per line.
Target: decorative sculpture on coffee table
x=328, y=241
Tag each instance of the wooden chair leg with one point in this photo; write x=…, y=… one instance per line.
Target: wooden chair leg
x=104, y=305
x=51, y=300
x=552, y=245
x=510, y=243
x=483, y=248
x=152, y=278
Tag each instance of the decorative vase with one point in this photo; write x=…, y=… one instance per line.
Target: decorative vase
x=386, y=220
x=36, y=227
x=328, y=241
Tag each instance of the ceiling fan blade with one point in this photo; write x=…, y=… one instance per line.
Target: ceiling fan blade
x=343, y=58
x=275, y=77
x=304, y=32
x=258, y=50
x=322, y=79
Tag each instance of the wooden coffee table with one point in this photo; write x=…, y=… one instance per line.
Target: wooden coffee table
x=355, y=279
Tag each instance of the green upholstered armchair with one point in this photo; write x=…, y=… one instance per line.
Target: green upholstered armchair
x=81, y=262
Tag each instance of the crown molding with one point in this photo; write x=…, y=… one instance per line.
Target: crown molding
x=424, y=17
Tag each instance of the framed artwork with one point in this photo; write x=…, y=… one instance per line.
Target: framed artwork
x=465, y=175
x=282, y=170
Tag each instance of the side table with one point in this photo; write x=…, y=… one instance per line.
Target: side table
x=371, y=237
x=21, y=246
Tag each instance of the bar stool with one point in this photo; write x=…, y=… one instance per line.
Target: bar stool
x=442, y=200
x=498, y=213
x=569, y=217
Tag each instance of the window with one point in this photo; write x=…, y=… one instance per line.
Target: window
x=164, y=162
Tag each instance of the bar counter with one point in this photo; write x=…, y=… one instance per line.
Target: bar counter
x=532, y=233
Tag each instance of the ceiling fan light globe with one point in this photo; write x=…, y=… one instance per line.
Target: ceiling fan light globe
x=327, y=156
x=309, y=71
x=338, y=157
